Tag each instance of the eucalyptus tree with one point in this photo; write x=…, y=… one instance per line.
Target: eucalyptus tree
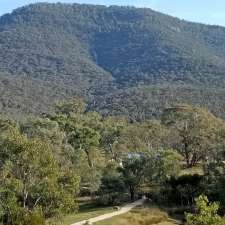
x=82, y=130
x=112, y=137
x=194, y=132
x=133, y=173
x=32, y=179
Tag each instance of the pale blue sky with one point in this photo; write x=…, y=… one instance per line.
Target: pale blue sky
x=206, y=11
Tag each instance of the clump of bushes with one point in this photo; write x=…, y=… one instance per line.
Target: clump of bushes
x=25, y=217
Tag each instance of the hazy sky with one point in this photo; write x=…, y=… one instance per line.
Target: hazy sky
x=206, y=11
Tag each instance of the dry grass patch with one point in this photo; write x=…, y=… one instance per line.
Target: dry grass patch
x=146, y=216
x=138, y=216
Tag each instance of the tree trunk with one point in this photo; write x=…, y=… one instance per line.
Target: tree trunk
x=132, y=193
x=111, y=151
x=25, y=193
x=194, y=160
x=8, y=218
x=186, y=153
x=89, y=159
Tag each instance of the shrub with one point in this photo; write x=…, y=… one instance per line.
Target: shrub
x=24, y=217
x=207, y=213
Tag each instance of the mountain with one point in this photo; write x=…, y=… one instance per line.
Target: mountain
x=122, y=60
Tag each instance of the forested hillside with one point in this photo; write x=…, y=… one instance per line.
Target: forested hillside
x=122, y=60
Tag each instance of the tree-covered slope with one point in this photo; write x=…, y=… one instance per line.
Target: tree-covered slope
x=104, y=53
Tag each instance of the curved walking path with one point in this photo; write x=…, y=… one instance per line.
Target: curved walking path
x=123, y=210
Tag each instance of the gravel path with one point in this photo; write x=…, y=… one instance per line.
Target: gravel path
x=123, y=210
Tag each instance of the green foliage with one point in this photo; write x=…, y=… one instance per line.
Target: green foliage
x=195, y=130
x=112, y=186
x=215, y=181
x=133, y=171
x=148, y=101
x=31, y=178
x=82, y=131
x=144, y=137
x=76, y=106
x=169, y=164
x=183, y=190
x=25, y=217
x=112, y=136
x=207, y=213
x=45, y=162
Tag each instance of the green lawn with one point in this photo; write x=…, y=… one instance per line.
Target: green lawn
x=85, y=212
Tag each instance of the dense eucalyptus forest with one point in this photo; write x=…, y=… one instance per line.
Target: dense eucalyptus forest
x=51, y=52
x=48, y=162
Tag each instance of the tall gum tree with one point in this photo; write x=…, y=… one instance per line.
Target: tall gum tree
x=194, y=132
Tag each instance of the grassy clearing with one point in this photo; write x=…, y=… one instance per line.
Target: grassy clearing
x=146, y=215
x=81, y=215
x=87, y=210
x=192, y=171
